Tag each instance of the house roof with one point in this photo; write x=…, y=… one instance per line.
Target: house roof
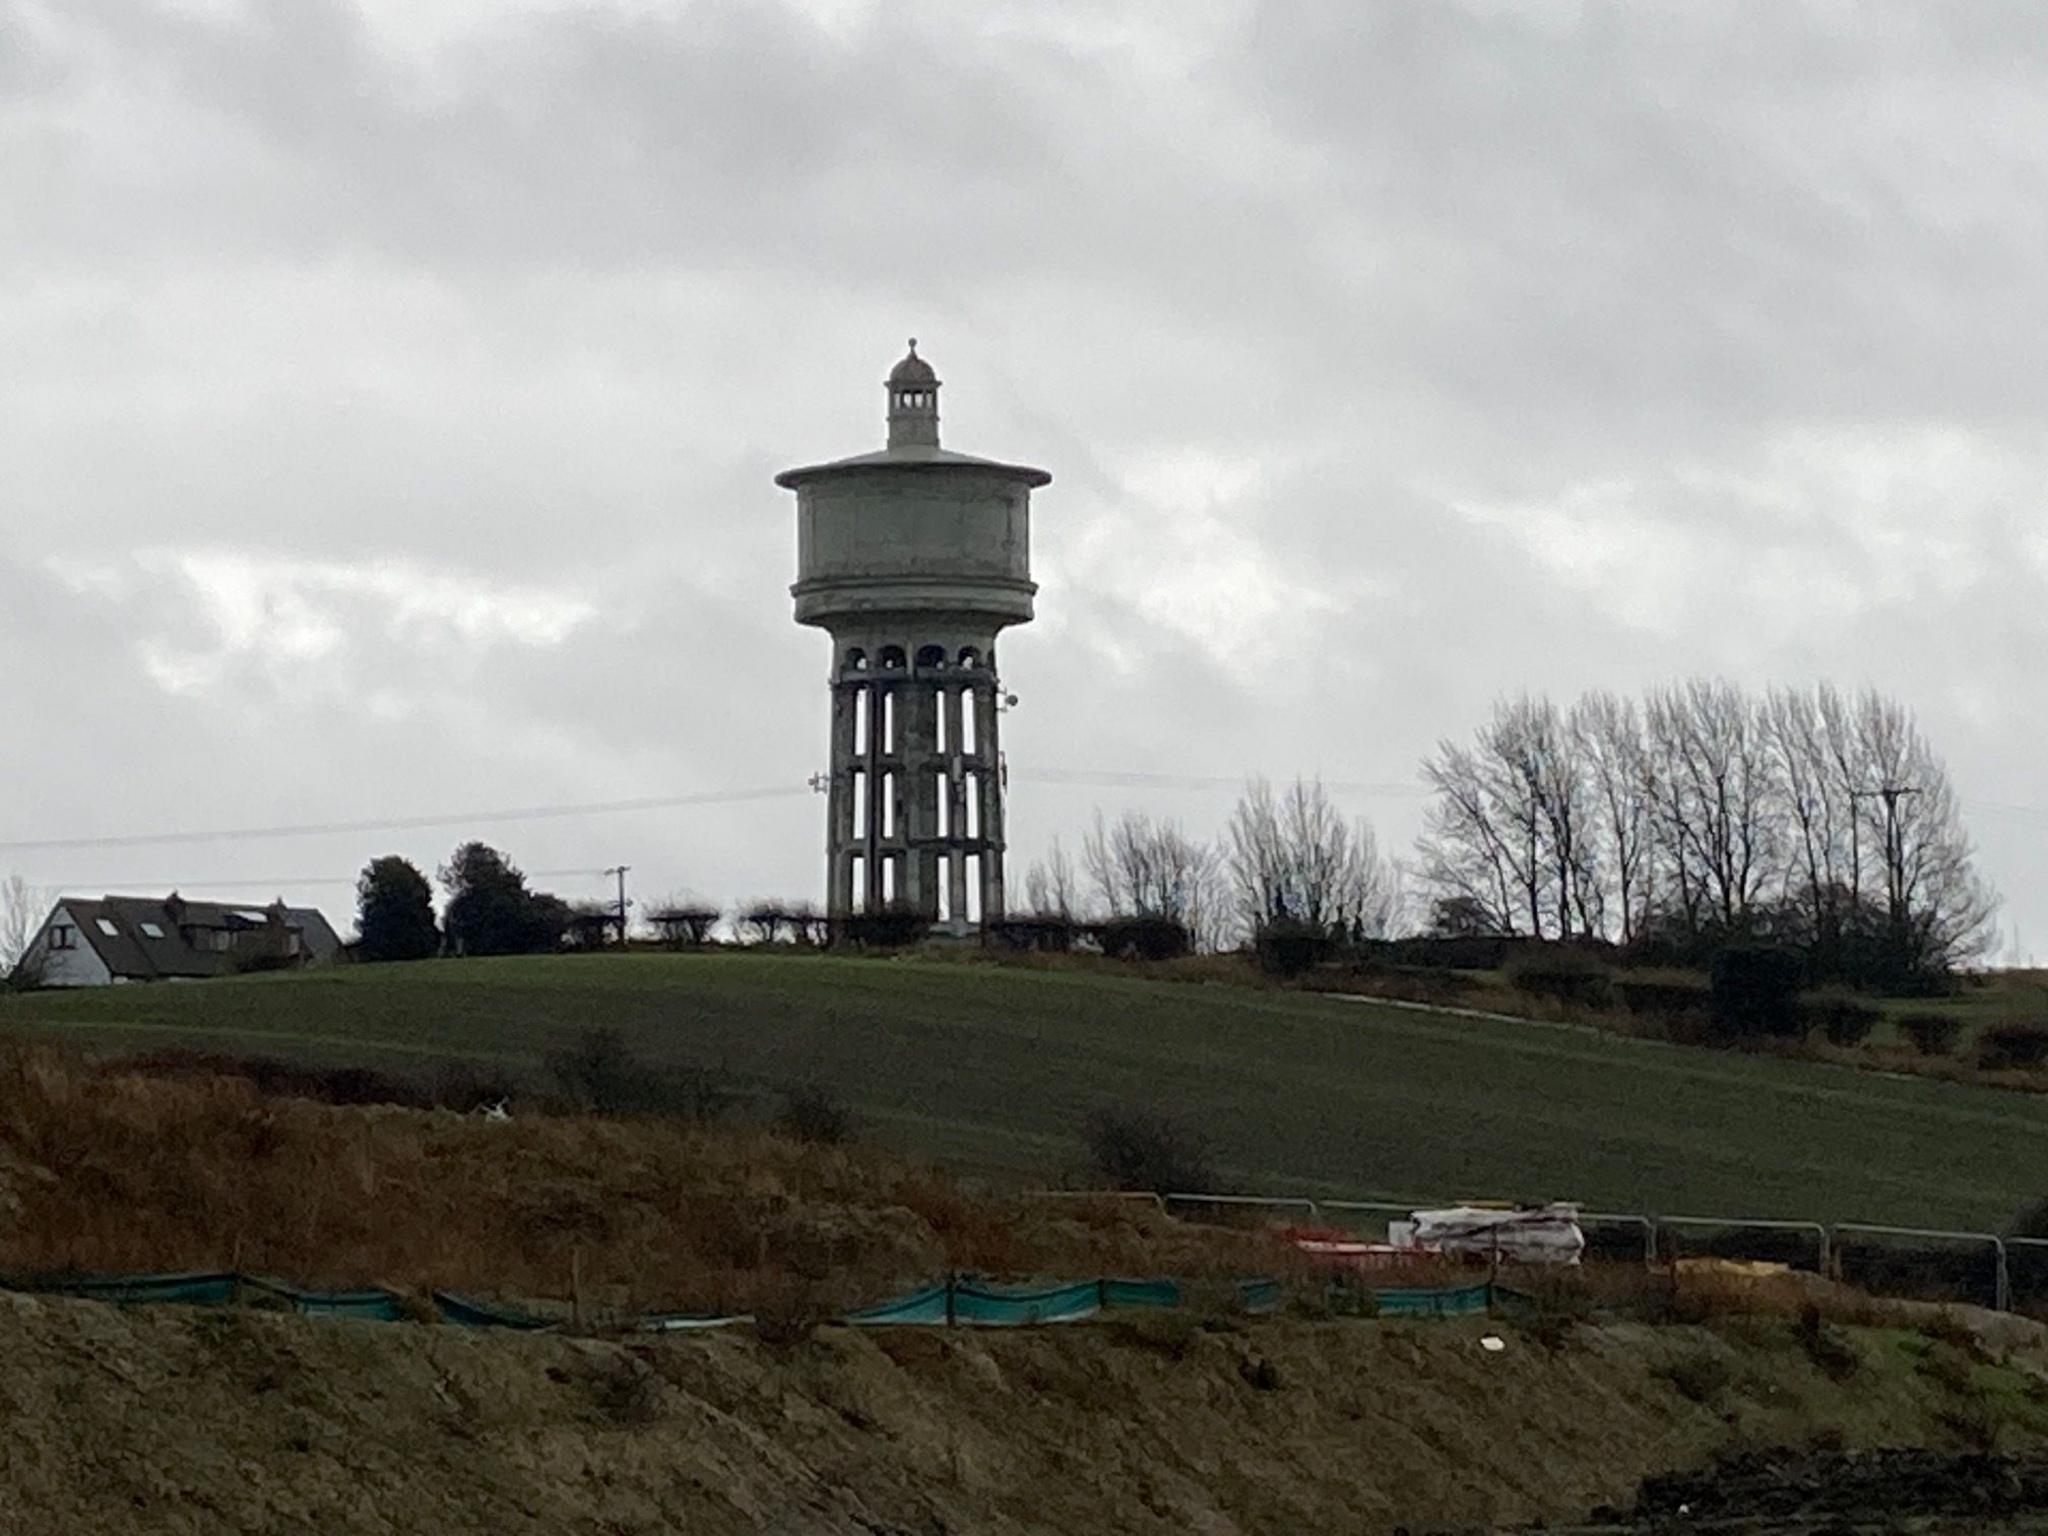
x=133, y=952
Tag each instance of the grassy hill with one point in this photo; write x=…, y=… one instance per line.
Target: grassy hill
x=993, y=1070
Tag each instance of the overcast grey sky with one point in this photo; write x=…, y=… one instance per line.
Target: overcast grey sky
x=390, y=391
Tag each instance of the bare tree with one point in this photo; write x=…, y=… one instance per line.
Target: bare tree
x=681, y=918
x=1295, y=857
x=1706, y=812
x=1811, y=740
x=1715, y=795
x=1938, y=912
x=1491, y=843
x=1145, y=868
x=1607, y=735
x=20, y=917
x=1463, y=856
x=1051, y=888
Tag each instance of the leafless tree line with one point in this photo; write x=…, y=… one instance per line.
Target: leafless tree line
x=1286, y=855
x=20, y=916
x=1807, y=815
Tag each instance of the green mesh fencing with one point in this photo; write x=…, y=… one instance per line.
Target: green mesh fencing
x=188, y=1290
x=1449, y=1301
x=919, y=1307
x=1140, y=1293
x=374, y=1305
x=1019, y=1306
x=474, y=1314
x=1259, y=1296
x=973, y=1303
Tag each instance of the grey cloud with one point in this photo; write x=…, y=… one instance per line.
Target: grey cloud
x=544, y=311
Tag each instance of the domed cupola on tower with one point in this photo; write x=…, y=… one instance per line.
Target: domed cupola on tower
x=913, y=403
x=914, y=559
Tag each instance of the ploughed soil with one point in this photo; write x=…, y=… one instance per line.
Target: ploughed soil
x=168, y=1420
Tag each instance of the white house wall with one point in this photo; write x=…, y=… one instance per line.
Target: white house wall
x=79, y=966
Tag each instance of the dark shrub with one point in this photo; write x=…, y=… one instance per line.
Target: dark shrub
x=814, y=1113
x=892, y=928
x=1826, y=1345
x=1146, y=938
x=1932, y=1034
x=1473, y=952
x=1562, y=973
x=599, y=1073
x=1755, y=991
x=1286, y=946
x=1412, y=983
x=1143, y=1149
x=465, y=1087
x=2006, y=1046
x=1048, y=933
x=1699, y=1375
x=1843, y=1020
x=1672, y=1001
x=274, y=1076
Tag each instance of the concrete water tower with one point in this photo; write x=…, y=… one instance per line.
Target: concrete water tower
x=914, y=559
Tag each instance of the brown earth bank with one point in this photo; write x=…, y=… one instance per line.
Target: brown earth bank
x=167, y=1420
x=109, y=1168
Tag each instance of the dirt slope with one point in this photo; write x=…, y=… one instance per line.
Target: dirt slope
x=162, y=1420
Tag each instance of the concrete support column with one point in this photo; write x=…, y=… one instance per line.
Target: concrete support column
x=921, y=762
x=956, y=809
x=839, y=801
x=879, y=706
x=990, y=753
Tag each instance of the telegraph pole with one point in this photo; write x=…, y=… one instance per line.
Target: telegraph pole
x=620, y=871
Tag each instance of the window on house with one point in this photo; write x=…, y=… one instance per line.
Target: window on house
x=151, y=931
x=63, y=936
x=107, y=927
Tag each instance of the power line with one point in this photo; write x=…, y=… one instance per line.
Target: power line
x=398, y=823
x=2032, y=816
x=1196, y=781
x=276, y=882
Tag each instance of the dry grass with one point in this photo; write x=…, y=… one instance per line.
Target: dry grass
x=119, y=1170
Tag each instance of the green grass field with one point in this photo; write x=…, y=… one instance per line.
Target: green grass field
x=993, y=1070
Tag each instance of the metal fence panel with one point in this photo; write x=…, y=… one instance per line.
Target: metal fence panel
x=1932, y=1271
x=2026, y=1270
x=1800, y=1244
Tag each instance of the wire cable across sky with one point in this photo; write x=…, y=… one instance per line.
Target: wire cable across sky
x=2025, y=815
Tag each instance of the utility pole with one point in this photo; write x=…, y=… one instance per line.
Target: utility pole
x=620, y=871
